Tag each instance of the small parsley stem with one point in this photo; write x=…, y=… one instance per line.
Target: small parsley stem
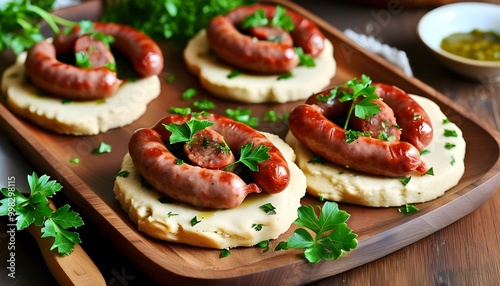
x=349, y=115
x=52, y=20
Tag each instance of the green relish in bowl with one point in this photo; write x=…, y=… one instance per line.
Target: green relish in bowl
x=476, y=44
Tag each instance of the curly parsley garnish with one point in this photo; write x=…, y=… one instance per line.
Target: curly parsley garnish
x=20, y=24
x=243, y=116
x=35, y=209
x=184, y=133
x=333, y=237
x=363, y=90
x=258, y=19
x=250, y=157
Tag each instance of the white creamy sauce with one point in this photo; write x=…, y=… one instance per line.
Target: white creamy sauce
x=257, y=88
x=335, y=183
x=76, y=117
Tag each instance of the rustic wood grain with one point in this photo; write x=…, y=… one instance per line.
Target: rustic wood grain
x=464, y=253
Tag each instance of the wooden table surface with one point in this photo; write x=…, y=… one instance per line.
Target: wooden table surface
x=466, y=252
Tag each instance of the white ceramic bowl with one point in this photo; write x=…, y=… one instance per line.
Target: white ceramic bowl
x=443, y=21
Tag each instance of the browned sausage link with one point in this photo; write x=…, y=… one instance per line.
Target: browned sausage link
x=67, y=81
x=208, y=149
x=381, y=125
x=273, y=175
x=144, y=54
x=98, y=53
x=183, y=182
x=241, y=51
x=414, y=122
x=365, y=154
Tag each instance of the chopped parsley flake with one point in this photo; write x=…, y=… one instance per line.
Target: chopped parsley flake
x=189, y=93
x=449, y=146
x=430, y=171
x=180, y=110
x=195, y=221
x=233, y=74
x=204, y=104
x=171, y=214
x=408, y=208
x=257, y=227
x=264, y=244
x=285, y=76
x=450, y=133
x=268, y=209
x=424, y=151
x=224, y=253
x=405, y=180
x=170, y=78
x=103, y=148
x=122, y=174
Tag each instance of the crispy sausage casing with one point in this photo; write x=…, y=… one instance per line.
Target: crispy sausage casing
x=200, y=186
x=378, y=157
x=183, y=182
x=144, y=54
x=242, y=51
x=415, y=124
x=68, y=81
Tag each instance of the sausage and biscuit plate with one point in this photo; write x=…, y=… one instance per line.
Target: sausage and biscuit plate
x=406, y=152
x=264, y=63
x=178, y=191
x=84, y=95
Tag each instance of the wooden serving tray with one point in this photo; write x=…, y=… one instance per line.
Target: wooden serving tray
x=381, y=230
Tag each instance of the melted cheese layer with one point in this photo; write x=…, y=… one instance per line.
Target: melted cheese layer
x=335, y=183
x=76, y=117
x=216, y=228
x=257, y=88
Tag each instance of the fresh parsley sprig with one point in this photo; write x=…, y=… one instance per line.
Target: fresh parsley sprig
x=184, y=132
x=35, y=209
x=168, y=19
x=280, y=19
x=333, y=237
x=250, y=157
x=243, y=116
x=363, y=90
x=20, y=24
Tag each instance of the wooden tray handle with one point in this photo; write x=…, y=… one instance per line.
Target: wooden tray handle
x=74, y=269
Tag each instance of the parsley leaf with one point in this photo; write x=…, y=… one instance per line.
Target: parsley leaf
x=103, y=148
x=333, y=238
x=256, y=19
x=250, y=157
x=268, y=209
x=184, y=132
x=168, y=19
x=408, y=208
x=19, y=24
x=363, y=90
x=280, y=19
x=35, y=209
x=243, y=116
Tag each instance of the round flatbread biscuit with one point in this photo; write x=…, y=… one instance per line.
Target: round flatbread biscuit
x=76, y=117
x=251, y=88
x=445, y=155
x=245, y=225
